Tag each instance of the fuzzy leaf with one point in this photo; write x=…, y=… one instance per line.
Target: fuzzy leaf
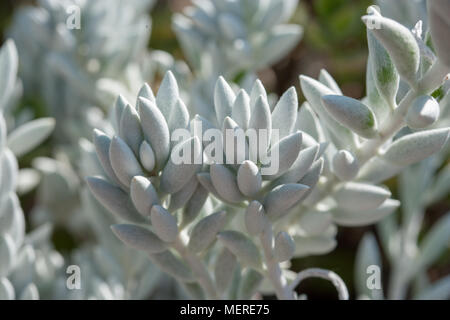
x=255, y=218
x=356, y=197
x=123, y=161
x=399, y=42
x=130, y=128
x=155, y=130
x=249, y=178
x=143, y=195
x=242, y=247
x=223, y=99
x=282, y=198
x=351, y=113
x=29, y=135
x=424, y=111
x=205, y=231
x=164, y=224
x=416, y=146
x=174, y=176
x=114, y=199
x=225, y=183
x=284, y=247
x=138, y=237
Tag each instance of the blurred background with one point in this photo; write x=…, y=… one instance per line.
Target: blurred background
x=334, y=39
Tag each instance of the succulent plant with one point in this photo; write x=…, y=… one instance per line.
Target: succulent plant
x=19, y=253
x=238, y=35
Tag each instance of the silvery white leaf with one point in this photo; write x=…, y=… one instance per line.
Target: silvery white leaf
x=357, y=197
x=155, y=130
x=280, y=39
x=7, y=254
x=314, y=223
x=345, y=165
x=284, y=247
x=9, y=166
x=241, y=109
x=350, y=218
x=119, y=105
x=232, y=139
x=179, y=116
x=195, y=204
x=399, y=42
x=29, y=135
x=255, y=218
x=180, y=198
x=3, y=133
x=123, y=161
x=242, y=247
x=251, y=280
x=167, y=95
x=434, y=244
x=318, y=245
x=378, y=170
x=224, y=269
x=282, y=198
x=313, y=91
x=384, y=74
x=288, y=150
x=308, y=123
x=312, y=177
x=439, y=290
x=147, y=156
x=205, y=231
x=102, y=144
x=139, y=238
x=173, y=265
x=423, y=112
x=143, y=195
x=205, y=180
x=261, y=118
x=373, y=98
x=351, y=113
x=284, y=114
x=6, y=289
x=249, y=178
x=114, y=199
x=416, y=146
x=200, y=125
x=225, y=183
x=164, y=224
x=8, y=66
x=257, y=91
x=30, y=293
x=368, y=254
x=12, y=220
x=328, y=80
x=130, y=128
x=175, y=176
x=145, y=92
x=223, y=99
x=301, y=165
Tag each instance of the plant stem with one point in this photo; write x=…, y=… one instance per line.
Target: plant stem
x=324, y=274
x=273, y=272
x=198, y=268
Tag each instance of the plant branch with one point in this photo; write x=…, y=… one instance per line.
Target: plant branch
x=198, y=268
x=273, y=272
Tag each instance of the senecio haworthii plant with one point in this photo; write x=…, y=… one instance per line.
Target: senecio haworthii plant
x=20, y=253
x=222, y=229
